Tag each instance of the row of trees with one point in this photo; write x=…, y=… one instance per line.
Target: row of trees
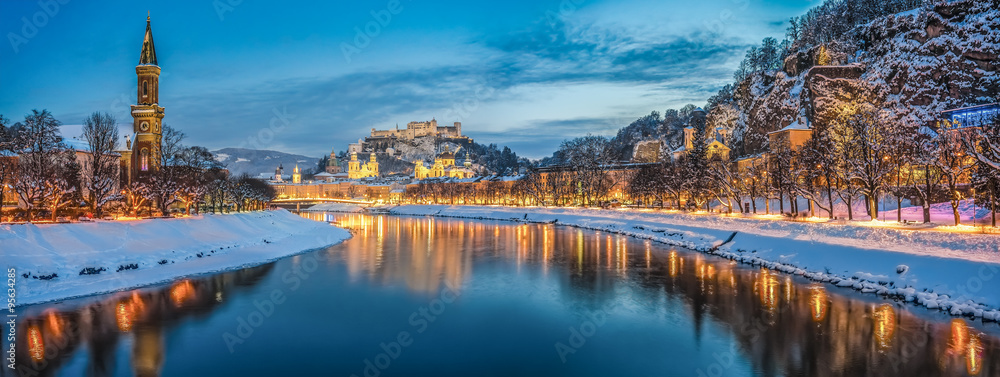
x=855, y=153
x=854, y=156
x=49, y=176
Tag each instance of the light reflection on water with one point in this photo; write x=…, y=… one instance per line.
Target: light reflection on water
x=671, y=312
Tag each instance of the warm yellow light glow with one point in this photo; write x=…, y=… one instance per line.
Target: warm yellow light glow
x=124, y=315
x=885, y=326
x=768, y=286
x=673, y=265
x=36, y=345
x=54, y=324
x=818, y=303
x=974, y=356
x=181, y=292
x=959, y=335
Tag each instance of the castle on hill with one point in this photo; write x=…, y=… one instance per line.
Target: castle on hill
x=414, y=130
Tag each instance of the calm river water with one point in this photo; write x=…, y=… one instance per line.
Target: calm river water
x=410, y=296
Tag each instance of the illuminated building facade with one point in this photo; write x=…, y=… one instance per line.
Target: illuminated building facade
x=357, y=170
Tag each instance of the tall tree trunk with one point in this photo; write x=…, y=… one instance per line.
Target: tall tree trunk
x=873, y=206
x=899, y=208
x=954, y=210
x=829, y=196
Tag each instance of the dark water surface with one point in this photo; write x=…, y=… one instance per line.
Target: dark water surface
x=441, y=297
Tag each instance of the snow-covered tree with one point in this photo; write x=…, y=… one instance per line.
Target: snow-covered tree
x=590, y=158
x=8, y=166
x=780, y=175
x=866, y=145
x=62, y=186
x=37, y=143
x=101, y=165
x=954, y=164
x=812, y=165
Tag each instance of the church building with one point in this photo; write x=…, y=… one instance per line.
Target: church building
x=357, y=170
x=143, y=154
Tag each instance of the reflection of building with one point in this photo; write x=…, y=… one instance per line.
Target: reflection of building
x=73, y=339
x=357, y=170
x=147, y=115
x=147, y=352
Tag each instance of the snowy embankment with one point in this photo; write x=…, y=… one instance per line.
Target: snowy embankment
x=60, y=261
x=953, y=272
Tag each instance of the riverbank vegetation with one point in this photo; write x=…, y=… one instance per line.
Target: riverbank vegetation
x=48, y=177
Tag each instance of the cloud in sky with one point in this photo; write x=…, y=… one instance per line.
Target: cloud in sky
x=522, y=75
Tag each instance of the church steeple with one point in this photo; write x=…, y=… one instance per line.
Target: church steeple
x=148, y=55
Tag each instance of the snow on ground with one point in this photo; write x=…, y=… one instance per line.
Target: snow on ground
x=61, y=261
x=941, y=213
x=939, y=270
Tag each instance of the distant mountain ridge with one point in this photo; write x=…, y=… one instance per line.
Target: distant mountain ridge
x=256, y=162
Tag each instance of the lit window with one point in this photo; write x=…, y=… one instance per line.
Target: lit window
x=144, y=160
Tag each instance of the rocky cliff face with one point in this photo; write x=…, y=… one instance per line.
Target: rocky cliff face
x=933, y=59
x=919, y=62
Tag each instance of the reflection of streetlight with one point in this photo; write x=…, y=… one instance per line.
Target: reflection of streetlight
x=818, y=303
x=974, y=356
x=885, y=325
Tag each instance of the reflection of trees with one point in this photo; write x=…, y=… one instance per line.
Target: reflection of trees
x=782, y=327
x=48, y=340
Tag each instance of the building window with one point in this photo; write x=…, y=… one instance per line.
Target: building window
x=145, y=88
x=144, y=159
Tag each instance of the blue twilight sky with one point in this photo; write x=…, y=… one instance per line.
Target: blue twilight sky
x=523, y=73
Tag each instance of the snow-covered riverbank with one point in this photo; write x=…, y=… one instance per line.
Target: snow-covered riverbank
x=957, y=273
x=60, y=261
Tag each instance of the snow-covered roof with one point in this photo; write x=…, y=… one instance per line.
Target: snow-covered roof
x=77, y=144
x=794, y=126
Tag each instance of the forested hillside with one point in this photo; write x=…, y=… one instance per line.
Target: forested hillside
x=916, y=57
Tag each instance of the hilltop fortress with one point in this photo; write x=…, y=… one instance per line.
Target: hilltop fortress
x=414, y=130
x=388, y=141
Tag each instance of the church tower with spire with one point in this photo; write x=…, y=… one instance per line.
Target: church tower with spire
x=147, y=115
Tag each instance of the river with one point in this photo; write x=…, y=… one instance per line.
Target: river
x=415, y=296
